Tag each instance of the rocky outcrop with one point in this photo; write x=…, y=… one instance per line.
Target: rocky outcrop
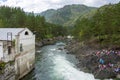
x=89, y=60
x=7, y=71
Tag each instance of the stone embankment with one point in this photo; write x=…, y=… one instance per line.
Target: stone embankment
x=7, y=71
x=102, y=63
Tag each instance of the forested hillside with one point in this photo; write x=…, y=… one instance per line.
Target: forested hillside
x=67, y=15
x=17, y=18
x=102, y=27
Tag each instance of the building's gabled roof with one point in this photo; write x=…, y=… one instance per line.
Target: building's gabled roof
x=5, y=31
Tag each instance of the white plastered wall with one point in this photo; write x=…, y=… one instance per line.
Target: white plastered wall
x=1, y=50
x=28, y=41
x=26, y=58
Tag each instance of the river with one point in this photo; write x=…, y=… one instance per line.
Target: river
x=53, y=63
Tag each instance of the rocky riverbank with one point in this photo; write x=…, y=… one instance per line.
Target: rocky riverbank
x=50, y=41
x=90, y=57
x=103, y=63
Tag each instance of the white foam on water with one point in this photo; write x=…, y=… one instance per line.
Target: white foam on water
x=38, y=51
x=53, y=49
x=67, y=70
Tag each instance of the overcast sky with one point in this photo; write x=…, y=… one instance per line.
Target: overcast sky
x=38, y=6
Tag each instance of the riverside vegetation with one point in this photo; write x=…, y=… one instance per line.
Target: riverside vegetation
x=96, y=30
x=102, y=27
x=15, y=17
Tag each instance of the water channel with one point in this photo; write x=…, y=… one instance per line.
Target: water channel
x=53, y=63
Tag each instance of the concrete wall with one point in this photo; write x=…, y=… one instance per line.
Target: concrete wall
x=25, y=59
x=25, y=63
x=5, y=57
x=27, y=41
x=1, y=50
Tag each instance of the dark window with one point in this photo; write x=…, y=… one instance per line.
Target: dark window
x=21, y=47
x=26, y=33
x=9, y=49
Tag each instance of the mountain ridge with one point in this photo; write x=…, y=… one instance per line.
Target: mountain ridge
x=66, y=15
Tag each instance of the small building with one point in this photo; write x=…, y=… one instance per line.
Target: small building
x=18, y=45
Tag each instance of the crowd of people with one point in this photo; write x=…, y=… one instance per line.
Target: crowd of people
x=108, y=59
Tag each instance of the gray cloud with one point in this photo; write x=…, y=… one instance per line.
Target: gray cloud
x=42, y=5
